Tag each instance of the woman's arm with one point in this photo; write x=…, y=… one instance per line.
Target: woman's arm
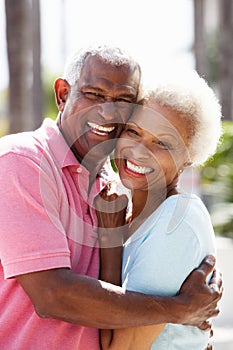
x=137, y=338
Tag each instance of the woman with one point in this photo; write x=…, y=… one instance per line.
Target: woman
x=169, y=232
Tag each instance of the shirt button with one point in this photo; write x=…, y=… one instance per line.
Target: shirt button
x=79, y=170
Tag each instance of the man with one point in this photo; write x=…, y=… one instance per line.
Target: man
x=51, y=296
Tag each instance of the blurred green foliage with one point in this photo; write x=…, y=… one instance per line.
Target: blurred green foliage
x=213, y=57
x=217, y=181
x=3, y=108
x=50, y=108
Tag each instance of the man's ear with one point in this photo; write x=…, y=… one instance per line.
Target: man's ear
x=62, y=88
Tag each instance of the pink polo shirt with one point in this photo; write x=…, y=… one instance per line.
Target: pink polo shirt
x=46, y=221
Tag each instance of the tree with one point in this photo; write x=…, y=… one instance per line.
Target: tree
x=37, y=90
x=226, y=57
x=21, y=43
x=199, y=37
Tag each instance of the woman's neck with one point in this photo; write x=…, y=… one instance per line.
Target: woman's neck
x=145, y=203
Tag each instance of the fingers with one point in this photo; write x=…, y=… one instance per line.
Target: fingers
x=215, y=284
x=216, y=279
x=214, y=312
x=211, y=332
x=206, y=266
x=207, y=326
x=110, y=203
x=107, y=194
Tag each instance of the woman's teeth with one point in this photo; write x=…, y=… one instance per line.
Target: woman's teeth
x=138, y=169
x=99, y=129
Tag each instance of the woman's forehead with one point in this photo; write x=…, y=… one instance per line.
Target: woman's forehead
x=162, y=121
x=149, y=119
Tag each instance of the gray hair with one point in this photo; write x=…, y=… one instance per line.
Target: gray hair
x=190, y=95
x=109, y=54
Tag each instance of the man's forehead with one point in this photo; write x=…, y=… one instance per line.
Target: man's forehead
x=95, y=66
x=101, y=76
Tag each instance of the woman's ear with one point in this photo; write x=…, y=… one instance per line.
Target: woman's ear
x=188, y=164
x=62, y=89
x=184, y=166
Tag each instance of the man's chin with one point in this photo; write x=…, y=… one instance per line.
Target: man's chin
x=94, y=160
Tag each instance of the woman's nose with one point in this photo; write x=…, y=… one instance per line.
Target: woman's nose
x=139, y=151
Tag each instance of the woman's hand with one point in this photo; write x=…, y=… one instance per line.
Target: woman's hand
x=111, y=214
x=110, y=208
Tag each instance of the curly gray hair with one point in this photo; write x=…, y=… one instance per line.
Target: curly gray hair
x=190, y=95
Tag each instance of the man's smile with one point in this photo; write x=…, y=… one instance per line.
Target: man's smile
x=100, y=129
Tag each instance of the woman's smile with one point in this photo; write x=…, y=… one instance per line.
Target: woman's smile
x=136, y=170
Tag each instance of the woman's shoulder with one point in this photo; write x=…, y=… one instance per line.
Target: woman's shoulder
x=183, y=203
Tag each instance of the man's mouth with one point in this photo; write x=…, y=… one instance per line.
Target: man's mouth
x=137, y=168
x=100, y=129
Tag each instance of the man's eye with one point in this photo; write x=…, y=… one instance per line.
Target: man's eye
x=93, y=95
x=124, y=100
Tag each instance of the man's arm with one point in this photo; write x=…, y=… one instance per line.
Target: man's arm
x=77, y=299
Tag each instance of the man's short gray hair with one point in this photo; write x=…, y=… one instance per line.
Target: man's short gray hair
x=109, y=54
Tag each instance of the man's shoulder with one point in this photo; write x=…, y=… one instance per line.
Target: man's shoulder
x=28, y=143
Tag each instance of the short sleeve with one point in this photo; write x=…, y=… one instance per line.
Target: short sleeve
x=31, y=235
x=159, y=262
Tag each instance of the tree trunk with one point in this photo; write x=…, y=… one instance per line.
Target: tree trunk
x=37, y=90
x=200, y=37
x=226, y=57
x=21, y=38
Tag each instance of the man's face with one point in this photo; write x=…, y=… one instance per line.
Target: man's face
x=96, y=108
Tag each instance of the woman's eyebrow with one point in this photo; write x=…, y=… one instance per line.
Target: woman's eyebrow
x=129, y=123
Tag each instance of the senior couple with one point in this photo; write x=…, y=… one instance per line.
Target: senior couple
x=58, y=217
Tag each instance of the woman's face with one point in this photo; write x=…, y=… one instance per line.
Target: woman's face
x=153, y=148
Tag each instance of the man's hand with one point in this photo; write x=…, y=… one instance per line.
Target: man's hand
x=200, y=299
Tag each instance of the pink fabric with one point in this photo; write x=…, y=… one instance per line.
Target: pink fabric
x=47, y=221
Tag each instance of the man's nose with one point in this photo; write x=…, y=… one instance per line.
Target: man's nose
x=108, y=110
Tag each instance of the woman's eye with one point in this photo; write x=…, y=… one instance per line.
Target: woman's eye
x=163, y=144
x=131, y=131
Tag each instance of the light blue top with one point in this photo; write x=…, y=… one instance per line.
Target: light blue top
x=160, y=255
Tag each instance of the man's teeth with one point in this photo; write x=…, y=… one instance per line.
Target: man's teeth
x=138, y=169
x=99, y=129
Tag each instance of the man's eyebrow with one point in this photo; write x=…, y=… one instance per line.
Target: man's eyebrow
x=127, y=94
x=91, y=87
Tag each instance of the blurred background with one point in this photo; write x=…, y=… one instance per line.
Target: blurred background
x=36, y=36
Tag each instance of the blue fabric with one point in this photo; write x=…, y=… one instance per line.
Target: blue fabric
x=162, y=252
